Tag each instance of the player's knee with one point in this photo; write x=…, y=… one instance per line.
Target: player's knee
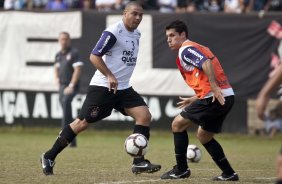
x=145, y=119
x=204, y=136
x=176, y=126
x=79, y=125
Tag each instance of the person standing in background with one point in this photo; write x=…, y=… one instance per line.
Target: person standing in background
x=67, y=74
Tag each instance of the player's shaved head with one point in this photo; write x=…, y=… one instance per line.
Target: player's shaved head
x=131, y=4
x=132, y=15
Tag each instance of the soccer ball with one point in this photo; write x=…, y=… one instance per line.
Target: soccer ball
x=136, y=145
x=194, y=154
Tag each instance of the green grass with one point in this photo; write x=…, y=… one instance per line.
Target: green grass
x=100, y=158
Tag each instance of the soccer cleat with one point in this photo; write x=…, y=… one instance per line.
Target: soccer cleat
x=47, y=165
x=174, y=173
x=224, y=177
x=145, y=167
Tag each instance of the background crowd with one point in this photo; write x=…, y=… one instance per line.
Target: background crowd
x=164, y=6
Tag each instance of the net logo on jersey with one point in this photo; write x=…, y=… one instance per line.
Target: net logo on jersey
x=189, y=60
x=195, y=53
x=192, y=56
x=128, y=56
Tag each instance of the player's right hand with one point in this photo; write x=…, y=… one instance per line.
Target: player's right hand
x=113, y=83
x=261, y=103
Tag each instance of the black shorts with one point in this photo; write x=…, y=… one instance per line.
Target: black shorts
x=100, y=102
x=207, y=114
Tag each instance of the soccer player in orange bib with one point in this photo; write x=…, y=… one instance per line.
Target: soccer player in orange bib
x=214, y=99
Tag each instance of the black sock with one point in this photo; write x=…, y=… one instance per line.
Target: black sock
x=216, y=152
x=181, y=142
x=144, y=131
x=65, y=137
x=279, y=181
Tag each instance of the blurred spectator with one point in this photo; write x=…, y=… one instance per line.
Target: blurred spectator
x=273, y=121
x=198, y=3
x=167, y=6
x=105, y=5
x=233, y=6
x=87, y=5
x=148, y=4
x=1, y=4
x=212, y=5
x=38, y=4
x=181, y=6
x=56, y=5
x=14, y=4
x=191, y=6
x=274, y=5
x=254, y=5
x=73, y=4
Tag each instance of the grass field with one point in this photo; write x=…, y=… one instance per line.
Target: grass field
x=100, y=158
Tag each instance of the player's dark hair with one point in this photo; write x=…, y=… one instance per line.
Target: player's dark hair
x=179, y=27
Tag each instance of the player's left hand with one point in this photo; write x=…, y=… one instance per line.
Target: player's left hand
x=68, y=90
x=184, y=102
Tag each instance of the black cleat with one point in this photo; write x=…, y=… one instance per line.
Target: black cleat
x=145, y=167
x=224, y=177
x=47, y=165
x=174, y=173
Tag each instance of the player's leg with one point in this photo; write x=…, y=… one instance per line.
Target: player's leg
x=130, y=103
x=212, y=119
x=181, y=142
x=272, y=132
x=66, y=136
x=216, y=152
x=97, y=105
x=142, y=117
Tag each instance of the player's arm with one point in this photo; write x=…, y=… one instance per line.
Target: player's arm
x=100, y=65
x=74, y=80
x=77, y=66
x=271, y=85
x=56, y=73
x=105, y=43
x=193, y=56
x=75, y=76
x=209, y=71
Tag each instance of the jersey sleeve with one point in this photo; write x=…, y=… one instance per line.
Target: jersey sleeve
x=105, y=43
x=192, y=56
x=76, y=59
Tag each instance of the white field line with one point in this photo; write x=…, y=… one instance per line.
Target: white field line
x=157, y=180
x=124, y=182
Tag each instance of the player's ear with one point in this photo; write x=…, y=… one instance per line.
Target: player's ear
x=183, y=34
